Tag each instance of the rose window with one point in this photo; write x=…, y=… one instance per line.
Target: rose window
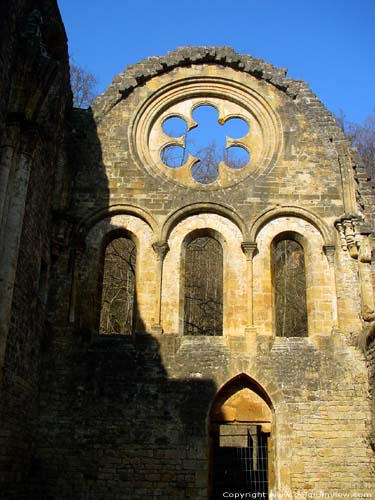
x=207, y=145
x=205, y=133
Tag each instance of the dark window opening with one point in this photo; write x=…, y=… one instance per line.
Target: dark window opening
x=240, y=460
x=290, y=289
x=203, y=297
x=118, y=287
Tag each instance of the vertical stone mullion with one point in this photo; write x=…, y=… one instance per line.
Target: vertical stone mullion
x=330, y=253
x=249, y=251
x=160, y=249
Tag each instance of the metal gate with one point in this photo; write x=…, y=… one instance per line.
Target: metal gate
x=239, y=461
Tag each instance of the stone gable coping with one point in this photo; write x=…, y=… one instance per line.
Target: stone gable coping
x=137, y=74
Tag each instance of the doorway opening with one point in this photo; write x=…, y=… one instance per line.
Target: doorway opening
x=241, y=451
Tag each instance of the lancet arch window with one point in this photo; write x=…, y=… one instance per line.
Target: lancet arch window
x=118, y=284
x=202, y=276
x=241, y=445
x=289, y=284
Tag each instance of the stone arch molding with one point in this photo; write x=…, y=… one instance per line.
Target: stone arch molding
x=92, y=220
x=88, y=265
x=202, y=208
x=176, y=230
x=320, y=277
x=291, y=211
x=267, y=391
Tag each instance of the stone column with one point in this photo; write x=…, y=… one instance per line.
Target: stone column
x=7, y=172
x=364, y=268
x=347, y=180
x=160, y=248
x=6, y=157
x=329, y=250
x=248, y=249
x=9, y=248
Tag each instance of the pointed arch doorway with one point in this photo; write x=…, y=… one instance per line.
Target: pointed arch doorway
x=241, y=446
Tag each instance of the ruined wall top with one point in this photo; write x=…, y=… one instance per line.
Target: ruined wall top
x=135, y=75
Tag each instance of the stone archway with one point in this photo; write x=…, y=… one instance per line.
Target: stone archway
x=241, y=447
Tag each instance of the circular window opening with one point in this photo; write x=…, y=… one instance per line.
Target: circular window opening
x=173, y=156
x=206, y=141
x=236, y=128
x=205, y=132
x=175, y=126
x=236, y=157
x=205, y=171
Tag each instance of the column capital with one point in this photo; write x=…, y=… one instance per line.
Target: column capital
x=330, y=250
x=249, y=248
x=161, y=249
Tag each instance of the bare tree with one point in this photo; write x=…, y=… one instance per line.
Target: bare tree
x=118, y=288
x=206, y=169
x=362, y=136
x=290, y=289
x=203, y=301
x=83, y=84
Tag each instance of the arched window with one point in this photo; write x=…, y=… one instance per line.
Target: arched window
x=203, y=290
x=118, y=287
x=290, y=288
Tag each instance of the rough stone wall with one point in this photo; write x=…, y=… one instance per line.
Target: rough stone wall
x=129, y=417
x=132, y=417
x=34, y=94
x=370, y=358
x=365, y=194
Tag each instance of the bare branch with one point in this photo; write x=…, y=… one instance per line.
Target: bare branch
x=83, y=84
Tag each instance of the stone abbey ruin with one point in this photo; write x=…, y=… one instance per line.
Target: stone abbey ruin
x=177, y=326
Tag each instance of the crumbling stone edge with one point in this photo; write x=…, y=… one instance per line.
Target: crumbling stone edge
x=137, y=74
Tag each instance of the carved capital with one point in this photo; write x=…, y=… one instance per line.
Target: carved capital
x=157, y=329
x=347, y=226
x=248, y=249
x=330, y=250
x=161, y=249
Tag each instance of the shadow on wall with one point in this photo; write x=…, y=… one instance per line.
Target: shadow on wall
x=34, y=98
x=116, y=426
x=112, y=423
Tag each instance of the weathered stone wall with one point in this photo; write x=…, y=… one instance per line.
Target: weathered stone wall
x=129, y=419
x=34, y=94
x=129, y=416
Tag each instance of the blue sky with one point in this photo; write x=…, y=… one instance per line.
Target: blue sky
x=328, y=43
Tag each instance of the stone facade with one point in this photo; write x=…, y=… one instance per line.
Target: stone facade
x=95, y=416
x=35, y=92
